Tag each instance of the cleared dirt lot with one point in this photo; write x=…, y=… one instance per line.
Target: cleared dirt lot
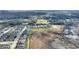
x=49, y=40
x=41, y=40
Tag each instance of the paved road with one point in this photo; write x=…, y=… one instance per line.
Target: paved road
x=17, y=38
x=8, y=42
x=6, y=31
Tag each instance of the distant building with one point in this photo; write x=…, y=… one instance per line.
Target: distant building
x=42, y=21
